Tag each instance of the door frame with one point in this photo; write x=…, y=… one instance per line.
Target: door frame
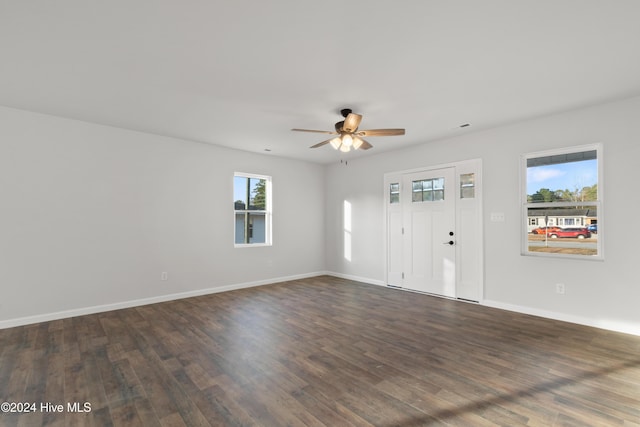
x=469, y=256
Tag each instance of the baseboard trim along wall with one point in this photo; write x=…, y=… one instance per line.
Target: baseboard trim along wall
x=356, y=278
x=610, y=325
x=10, y=323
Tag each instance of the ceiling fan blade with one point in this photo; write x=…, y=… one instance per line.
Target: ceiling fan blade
x=360, y=144
x=380, y=132
x=320, y=144
x=315, y=131
x=351, y=122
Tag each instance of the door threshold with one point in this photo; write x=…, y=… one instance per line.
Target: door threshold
x=420, y=292
x=431, y=294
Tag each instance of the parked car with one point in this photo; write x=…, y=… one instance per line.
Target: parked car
x=593, y=228
x=575, y=232
x=543, y=230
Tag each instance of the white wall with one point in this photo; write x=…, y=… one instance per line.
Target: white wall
x=91, y=215
x=604, y=293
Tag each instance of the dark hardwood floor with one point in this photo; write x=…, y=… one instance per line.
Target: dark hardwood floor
x=319, y=352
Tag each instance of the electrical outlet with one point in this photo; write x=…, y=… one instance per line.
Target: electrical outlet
x=560, y=288
x=164, y=276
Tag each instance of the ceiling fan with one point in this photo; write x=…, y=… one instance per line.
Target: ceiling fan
x=348, y=134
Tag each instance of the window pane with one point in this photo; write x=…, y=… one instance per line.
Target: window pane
x=394, y=193
x=562, y=201
x=569, y=177
x=467, y=186
x=428, y=190
x=257, y=194
x=252, y=213
x=417, y=191
x=240, y=228
x=257, y=227
x=240, y=195
x=575, y=234
x=249, y=192
x=250, y=227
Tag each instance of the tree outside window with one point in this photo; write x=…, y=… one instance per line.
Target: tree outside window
x=252, y=209
x=562, y=203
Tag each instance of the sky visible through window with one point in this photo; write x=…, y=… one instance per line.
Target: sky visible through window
x=562, y=176
x=252, y=198
x=240, y=188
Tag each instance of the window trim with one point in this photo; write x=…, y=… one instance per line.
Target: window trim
x=599, y=203
x=268, y=211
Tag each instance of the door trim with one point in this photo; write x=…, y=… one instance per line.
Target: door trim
x=470, y=280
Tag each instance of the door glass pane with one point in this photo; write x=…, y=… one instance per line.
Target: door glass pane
x=428, y=190
x=417, y=191
x=467, y=186
x=438, y=184
x=438, y=189
x=394, y=193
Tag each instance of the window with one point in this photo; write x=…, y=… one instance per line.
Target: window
x=562, y=203
x=394, y=193
x=428, y=190
x=468, y=186
x=252, y=208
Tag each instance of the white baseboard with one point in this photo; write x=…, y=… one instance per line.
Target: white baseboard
x=610, y=325
x=28, y=320
x=356, y=278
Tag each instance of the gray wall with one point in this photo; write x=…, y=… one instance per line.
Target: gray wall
x=91, y=215
x=600, y=293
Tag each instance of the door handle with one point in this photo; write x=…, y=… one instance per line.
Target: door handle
x=450, y=243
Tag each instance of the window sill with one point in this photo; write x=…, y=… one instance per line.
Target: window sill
x=251, y=245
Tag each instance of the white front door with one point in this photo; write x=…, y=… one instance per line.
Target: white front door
x=429, y=237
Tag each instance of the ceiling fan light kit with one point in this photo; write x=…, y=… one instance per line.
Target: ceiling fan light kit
x=348, y=134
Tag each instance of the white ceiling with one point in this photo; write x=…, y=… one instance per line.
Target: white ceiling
x=243, y=73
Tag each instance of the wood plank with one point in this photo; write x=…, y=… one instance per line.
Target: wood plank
x=321, y=351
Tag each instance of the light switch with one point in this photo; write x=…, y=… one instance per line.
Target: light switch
x=497, y=216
